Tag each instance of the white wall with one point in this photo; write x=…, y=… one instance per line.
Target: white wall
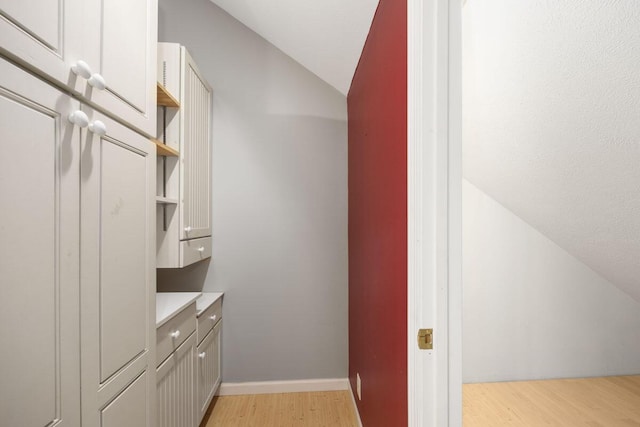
x=279, y=202
x=551, y=95
x=533, y=311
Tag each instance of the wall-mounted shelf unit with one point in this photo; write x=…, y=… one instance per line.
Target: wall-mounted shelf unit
x=165, y=99
x=184, y=229
x=165, y=150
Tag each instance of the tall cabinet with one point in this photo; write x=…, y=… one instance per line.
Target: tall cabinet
x=184, y=227
x=77, y=246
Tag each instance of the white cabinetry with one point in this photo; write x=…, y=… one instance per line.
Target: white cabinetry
x=39, y=253
x=184, y=230
x=209, y=356
x=91, y=185
x=188, y=356
x=114, y=39
x=118, y=272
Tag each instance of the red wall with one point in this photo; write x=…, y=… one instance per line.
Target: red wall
x=377, y=108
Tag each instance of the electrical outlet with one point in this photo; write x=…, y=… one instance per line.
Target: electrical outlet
x=358, y=386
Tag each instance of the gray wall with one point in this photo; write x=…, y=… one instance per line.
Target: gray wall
x=279, y=202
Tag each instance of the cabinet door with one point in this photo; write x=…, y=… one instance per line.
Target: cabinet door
x=208, y=369
x=176, y=388
x=39, y=253
x=120, y=38
x=117, y=265
x=43, y=35
x=195, y=152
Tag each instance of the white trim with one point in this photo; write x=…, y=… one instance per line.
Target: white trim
x=434, y=181
x=355, y=406
x=296, y=386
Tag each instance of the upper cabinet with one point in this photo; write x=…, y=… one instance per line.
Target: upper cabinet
x=184, y=228
x=100, y=50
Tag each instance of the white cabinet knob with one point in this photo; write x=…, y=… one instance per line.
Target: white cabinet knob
x=97, y=81
x=187, y=229
x=79, y=118
x=81, y=69
x=201, y=249
x=214, y=317
x=175, y=334
x=98, y=128
x=202, y=355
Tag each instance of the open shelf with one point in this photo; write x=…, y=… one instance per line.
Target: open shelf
x=165, y=99
x=164, y=149
x=166, y=200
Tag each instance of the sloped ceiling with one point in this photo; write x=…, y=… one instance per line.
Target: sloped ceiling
x=552, y=122
x=324, y=36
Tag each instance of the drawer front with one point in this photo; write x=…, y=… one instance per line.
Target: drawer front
x=208, y=319
x=173, y=333
x=194, y=250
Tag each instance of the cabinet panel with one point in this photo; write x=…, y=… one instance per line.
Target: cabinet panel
x=39, y=256
x=208, y=369
x=176, y=388
x=121, y=44
x=195, y=151
x=126, y=410
x=117, y=260
x=123, y=209
x=48, y=41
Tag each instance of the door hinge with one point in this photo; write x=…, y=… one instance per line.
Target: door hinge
x=425, y=339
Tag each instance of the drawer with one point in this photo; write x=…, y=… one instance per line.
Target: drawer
x=173, y=333
x=194, y=250
x=208, y=319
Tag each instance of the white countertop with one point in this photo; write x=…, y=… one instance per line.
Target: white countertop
x=206, y=299
x=168, y=304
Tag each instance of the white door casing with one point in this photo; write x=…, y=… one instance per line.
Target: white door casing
x=434, y=211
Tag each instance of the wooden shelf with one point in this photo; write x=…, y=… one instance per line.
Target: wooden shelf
x=164, y=150
x=166, y=200
x=165, y=99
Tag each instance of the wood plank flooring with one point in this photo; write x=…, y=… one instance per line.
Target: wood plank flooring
x=589, y=402
x=318, y=409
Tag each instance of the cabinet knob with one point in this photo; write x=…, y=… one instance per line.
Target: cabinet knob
x=201, y=249
x=97, y=81
x=202, y=355
x=175, y=334
x=81, y=69
x=187, y=229
x=98, y=128
x=79, y=118
x=214, y=317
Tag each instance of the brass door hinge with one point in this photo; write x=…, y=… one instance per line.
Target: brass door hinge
x=425, y=339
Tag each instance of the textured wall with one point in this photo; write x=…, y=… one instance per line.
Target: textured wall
x=533, y=311
x=279, y=202
x=377, y=105
x=551, y=129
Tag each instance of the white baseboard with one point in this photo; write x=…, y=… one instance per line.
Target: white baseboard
x=296, y=386
x=355, y=407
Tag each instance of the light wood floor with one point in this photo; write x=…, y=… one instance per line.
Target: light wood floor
x=320, y=409
x=590, y=402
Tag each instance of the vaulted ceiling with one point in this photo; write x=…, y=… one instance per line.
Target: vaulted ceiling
x=552, y=122
x=324, y=36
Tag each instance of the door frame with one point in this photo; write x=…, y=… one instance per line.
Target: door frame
x=434, y=198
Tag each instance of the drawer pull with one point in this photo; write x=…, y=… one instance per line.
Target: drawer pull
x=175, y=334
x=202, y=355
x=201, y=249
x=97, y=81
x=214, y=317
x=79, y=118
x=187, y=229
x=98, y=128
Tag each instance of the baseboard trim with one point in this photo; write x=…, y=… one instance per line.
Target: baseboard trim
x=296, y=386
x=355, y=406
